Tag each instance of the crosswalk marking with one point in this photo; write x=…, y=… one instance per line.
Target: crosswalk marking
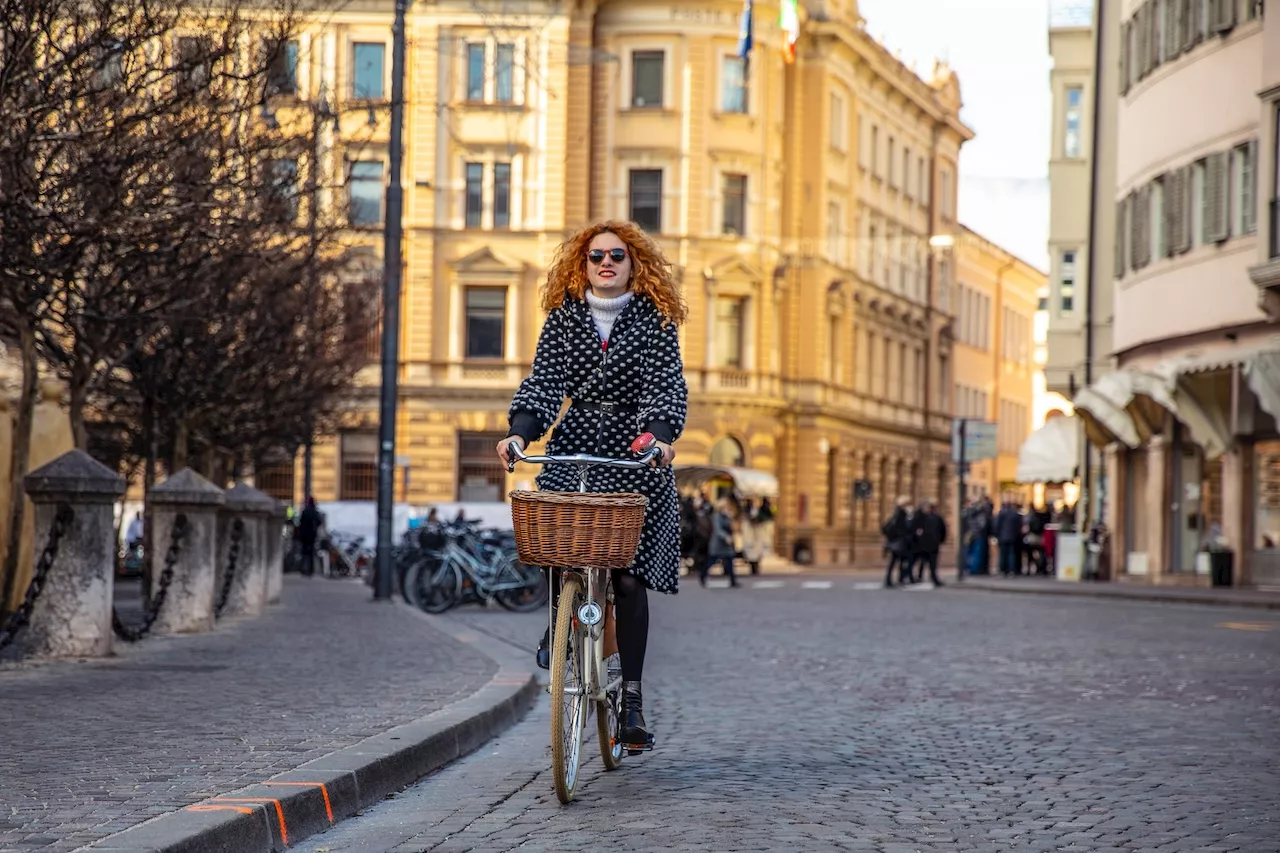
x=868, y=585
x=768, y=584
x=792, y=583
x=816, y=585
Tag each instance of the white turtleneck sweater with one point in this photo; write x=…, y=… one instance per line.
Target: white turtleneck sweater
x=605, y=311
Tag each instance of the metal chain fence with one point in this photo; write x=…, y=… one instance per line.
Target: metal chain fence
x=21, y=617
x=233, y=554
x=133, y=635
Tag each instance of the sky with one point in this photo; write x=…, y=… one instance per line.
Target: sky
x=1000, y=51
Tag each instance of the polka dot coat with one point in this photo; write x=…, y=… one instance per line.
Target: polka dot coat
x=632, y=385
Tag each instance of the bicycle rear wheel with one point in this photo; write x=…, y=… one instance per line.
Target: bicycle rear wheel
x=568, y=709
x=607, y=722
x=526, y=598
x=433, y=585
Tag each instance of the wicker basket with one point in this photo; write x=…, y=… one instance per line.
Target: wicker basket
x=576, y=530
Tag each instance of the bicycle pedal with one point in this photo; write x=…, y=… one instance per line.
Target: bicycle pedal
x=636, y=749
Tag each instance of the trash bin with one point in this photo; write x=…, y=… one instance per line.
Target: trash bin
x=1221, y=564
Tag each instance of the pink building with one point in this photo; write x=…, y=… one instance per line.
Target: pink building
x=1188, y=417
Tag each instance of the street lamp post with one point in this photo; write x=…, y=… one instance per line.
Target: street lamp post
x=391, y=313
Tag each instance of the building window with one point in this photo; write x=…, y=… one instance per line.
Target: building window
x=906, y=172
x=1071, y=145
x=195, y=59
x=834, y=216
x=892, y=162
x=1067, y=281
x=475, y=194
x=947, y=202
x=730, y=322
x=645, y=198
x=923, y=182
x=364, y=193
x=282, y=186
x=839, y=131
x=501, y=195
x=504, y=76
x=275, y=479
x=481, y=477
x=875, y=151
x=1197, y=203
x=358, y=458
x=486, y=322
x=833, y=348
x=366, y=70
x=734, y=191
x=475, y=71
x=733, y=91
x=647, y=78
x=1243, y=170
x=282, y=75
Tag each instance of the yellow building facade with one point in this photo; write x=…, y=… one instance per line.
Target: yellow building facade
x=798, y=202
x=997, y=296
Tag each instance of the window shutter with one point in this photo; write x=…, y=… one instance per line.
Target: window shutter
x=1153, y=58
x=1135, y=231
x=1178, y=222
x=1119, y=260
x=1249, y=189
x=1148, y=195
x=1172, y=27
x=1217, y=221
x=1144, y=42
x=1125, y=58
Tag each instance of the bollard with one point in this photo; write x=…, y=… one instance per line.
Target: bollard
x=188, y=605
x=248, y=592
x=72, y=615
x=275, y=551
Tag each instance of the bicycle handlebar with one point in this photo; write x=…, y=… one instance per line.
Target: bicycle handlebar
x=515, y=454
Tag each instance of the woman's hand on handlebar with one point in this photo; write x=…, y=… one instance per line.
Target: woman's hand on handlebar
x=667, y=457
x=503, y=452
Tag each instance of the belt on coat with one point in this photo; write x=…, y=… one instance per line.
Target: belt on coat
x=596, y=406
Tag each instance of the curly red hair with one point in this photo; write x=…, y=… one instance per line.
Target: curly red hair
x=651, y=272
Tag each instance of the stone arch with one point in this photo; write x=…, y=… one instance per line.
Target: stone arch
x=727, y=450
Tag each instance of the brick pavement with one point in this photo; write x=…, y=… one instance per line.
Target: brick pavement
x=843, y=718
x=88, y=749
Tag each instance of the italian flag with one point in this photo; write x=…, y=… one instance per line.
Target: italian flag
x=789, y=21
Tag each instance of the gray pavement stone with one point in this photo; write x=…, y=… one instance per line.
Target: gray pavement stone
x=847, y=719
x=88, y=749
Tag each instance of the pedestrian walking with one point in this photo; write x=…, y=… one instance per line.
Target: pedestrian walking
x=897, y=540
x=1008, y=529
x=721, y=549
x=930, y=535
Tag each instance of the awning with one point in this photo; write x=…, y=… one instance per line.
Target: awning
x=1051, y=453
x=748, y=482
x=1102, y=408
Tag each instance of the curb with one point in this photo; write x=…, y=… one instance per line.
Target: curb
x=1125, y=595
x=272, y=815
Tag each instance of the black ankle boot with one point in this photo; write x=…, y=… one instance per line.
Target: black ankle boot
x=633, y=731
x=544, y=650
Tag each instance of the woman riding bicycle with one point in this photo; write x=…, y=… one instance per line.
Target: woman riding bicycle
x=610, y=345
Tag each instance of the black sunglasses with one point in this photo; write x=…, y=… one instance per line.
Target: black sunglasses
x=596, y=256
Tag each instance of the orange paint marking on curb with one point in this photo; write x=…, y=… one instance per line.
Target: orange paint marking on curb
x=284, y=830
x=328, y=808
x=206, y=807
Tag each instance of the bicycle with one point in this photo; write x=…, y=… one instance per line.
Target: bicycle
x=583, y=535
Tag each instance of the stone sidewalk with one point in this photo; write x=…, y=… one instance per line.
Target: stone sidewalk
x=1217, y=596
x=91, y=748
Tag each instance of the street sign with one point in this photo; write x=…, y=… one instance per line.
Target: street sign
x=979, y=440
x=862, y=490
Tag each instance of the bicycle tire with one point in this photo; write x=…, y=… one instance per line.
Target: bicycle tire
x=529, y=597
x=609, y=724
x=444, y=585
x=566, y=671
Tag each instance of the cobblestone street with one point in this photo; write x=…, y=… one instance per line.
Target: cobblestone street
x=823, y=714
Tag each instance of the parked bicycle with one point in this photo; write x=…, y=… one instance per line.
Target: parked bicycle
x=582, y=537
x=457, y=563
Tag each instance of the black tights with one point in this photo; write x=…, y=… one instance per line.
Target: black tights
x=631, y=612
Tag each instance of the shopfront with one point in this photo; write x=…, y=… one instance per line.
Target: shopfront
x=1196, y=458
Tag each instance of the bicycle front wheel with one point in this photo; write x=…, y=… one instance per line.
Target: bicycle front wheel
x=568, y=689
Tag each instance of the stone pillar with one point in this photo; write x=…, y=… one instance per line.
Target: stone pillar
x=188, y=605
x=244, y=503
x=1238, y=502
x=72, y=616
x=1117, y=490
x=1156, y=505
x=275, y=551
